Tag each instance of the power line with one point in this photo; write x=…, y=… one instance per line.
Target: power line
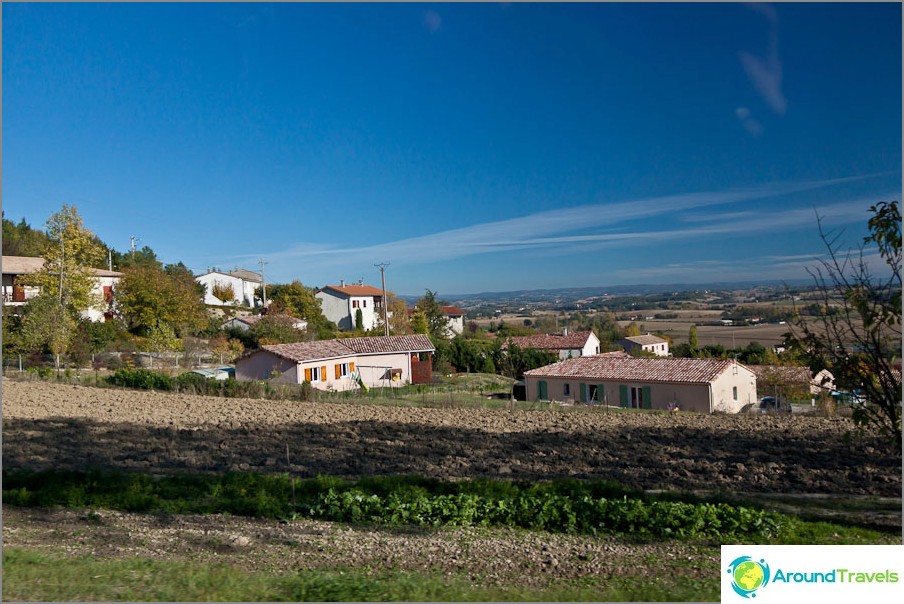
x=382, y=266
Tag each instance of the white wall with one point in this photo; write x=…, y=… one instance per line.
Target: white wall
x=238, y=288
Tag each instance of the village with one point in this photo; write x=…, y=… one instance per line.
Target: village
x=355, y=336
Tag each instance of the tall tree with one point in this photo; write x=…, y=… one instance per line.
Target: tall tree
x=47, y=325
x=149, y=297
x=432, y=309
x=692, y=338
x=19, y=239
x=857, y=336
x=298, y=301
x=70, y=255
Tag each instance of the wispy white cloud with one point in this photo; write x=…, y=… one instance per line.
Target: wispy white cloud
x=765, y=73
x=566, y=230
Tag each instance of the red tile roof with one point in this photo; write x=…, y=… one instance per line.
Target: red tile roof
x=343, y=347
x=379, y=344
x=551, y=341
x=660, y=369
x=450, y=311
x=791, y=374
x=355, y=290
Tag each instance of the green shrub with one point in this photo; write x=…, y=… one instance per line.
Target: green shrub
x=143, y=379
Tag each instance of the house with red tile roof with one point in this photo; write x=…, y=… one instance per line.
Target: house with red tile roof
x=341, y=303
x=342, y=364
x=701, y=385
x=566, y=344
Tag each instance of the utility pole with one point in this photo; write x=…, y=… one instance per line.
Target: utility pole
x=133, y=238
x=382, y=266
x=263, y=283
x=110, y=259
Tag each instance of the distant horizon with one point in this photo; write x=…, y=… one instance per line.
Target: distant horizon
x=474, y=147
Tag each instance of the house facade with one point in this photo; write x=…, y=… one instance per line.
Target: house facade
x=646, y=343
x=455, y=320
x=243, y=283
x=17, y=294
x=343, y=364
x=700, y=385
x=566, y=344
x=341, y=303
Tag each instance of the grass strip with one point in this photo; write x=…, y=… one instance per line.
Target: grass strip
x=31, y=576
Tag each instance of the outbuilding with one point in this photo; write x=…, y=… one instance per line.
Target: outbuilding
x=702, y=385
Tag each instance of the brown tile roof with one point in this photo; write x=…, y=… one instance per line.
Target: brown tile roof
x=26, y=265
x=647, y=340
x=450, y=311
x=355, y=290
x=551, y=341
x=308, y=351
x=343, y=347
x=378, y=344
x=660, y=369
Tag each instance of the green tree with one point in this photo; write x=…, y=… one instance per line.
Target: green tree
x=359, y=320
x=276, y=329
x=19, y=239
x=419, y=323
x=299, y=301
x=162, y=338
x=692, y=337
x=432, y=310
x=47, y=325
x=70, y=255
x=861, y=343
x=148, y=297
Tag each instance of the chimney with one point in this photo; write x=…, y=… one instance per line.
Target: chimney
x=341, y=282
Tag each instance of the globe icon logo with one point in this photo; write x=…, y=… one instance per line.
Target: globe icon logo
x=748, y=575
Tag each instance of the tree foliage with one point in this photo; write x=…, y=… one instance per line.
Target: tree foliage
x=860, y=342
x=223, y=292
x=47, y=326
x=299, y=301
x=397, y=310
x=432, y=310
x=70, y=255
x=19, y=239
x=276, y=329
x=149, y=296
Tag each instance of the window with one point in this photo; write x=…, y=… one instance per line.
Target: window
x=734, y=392
x=365, y=303
x=342, y=370
x=566, y=389
x=354, y=304
x=314, y=374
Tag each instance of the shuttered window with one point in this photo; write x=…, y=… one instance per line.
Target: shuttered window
x=622, y=395
x=583, y=393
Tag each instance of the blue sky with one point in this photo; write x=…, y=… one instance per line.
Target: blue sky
x=474, y=147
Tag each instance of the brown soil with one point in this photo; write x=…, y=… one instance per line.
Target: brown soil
x=49, y=425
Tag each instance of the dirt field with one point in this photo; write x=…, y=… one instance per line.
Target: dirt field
x=50, y=425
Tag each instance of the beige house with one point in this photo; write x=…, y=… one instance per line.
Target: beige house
x=16, y=294
x=565, y=345
x=701, y=385
x=647, y=343
x=342, y=364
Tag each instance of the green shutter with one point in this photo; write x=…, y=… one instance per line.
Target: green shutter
x=583, y=393
x=647, y=399
x=542, y=393
x=601, y=394
x=623, y=395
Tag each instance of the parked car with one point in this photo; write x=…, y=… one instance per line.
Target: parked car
x=770, y=404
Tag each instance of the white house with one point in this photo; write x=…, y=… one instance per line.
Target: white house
x=647, y=343
x=701, y=385
x=243, y=283
x=16, y=294
x=341, y=303
x=566, y=344
x=343, y=364
x=455, y=319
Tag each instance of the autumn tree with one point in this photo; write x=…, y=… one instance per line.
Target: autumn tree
x=298, y=301
x=223, y=292
x=149, y=297
x=276, y=329
x=70, y=255
x=397, y=310
x=857, y=336
x=47, y=325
